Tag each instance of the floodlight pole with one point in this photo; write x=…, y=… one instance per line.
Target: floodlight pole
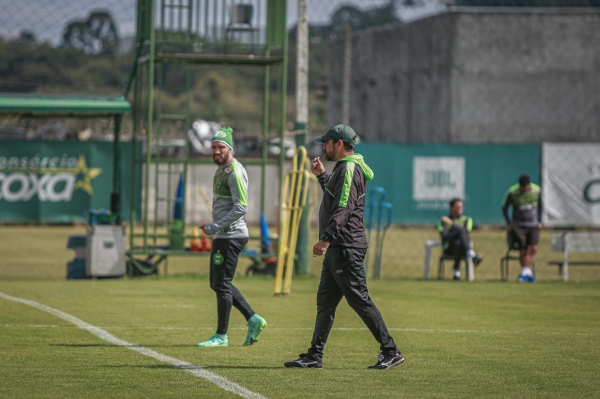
x=302, y=67
x=302, y=245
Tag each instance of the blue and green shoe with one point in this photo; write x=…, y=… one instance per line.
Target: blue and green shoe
x=217, y=340
x=255, y=325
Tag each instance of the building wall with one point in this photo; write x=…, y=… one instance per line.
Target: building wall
x=474, y=77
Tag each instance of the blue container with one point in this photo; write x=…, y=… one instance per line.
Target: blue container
x=76, y=269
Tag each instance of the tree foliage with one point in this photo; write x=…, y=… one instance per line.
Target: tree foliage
x=97, y=35
x=88, y=61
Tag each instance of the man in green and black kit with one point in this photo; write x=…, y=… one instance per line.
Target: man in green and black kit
x=230, y=204
x=344, y=244
x=526, y=201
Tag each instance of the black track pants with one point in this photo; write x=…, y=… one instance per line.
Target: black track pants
x=223, y=262
x=343, y=275
x=459, y=244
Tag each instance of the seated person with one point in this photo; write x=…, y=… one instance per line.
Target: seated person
x=455, y=230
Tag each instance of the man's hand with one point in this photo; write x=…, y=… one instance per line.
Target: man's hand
x=539, y=225
x=509, y=226
x=203, y=227
x=447, y=220
x=320, y=248
x=317, y=167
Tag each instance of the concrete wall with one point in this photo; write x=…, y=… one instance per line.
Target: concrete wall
x=475, y=77
x=526, y=77
x=399, y=81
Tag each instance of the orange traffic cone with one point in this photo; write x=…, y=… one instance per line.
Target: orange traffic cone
x=195, y=247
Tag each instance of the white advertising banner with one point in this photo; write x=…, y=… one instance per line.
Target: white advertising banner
x=571, y=184
x=438, y=178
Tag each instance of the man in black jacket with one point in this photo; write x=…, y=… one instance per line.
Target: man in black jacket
x=344, y=244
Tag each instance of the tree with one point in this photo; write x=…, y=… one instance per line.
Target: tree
x=76, y=37
x=103, y=33
x=357, y=19
x=27, y=37
x=98, y=35
x=347, y=15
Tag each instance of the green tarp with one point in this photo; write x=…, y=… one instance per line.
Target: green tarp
x=420, y=179
x=57, y=181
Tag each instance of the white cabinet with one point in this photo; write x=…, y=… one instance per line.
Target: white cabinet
x=105, y=251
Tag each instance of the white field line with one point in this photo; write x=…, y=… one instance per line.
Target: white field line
x=590, y=334
x=197, y=371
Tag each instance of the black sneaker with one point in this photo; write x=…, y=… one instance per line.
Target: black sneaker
x=386, y=362
x=306, y=361
x=477, y=260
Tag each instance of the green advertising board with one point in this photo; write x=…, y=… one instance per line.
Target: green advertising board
x=58, y=181
x=420, y=179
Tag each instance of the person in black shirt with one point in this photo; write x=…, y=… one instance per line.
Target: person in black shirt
x=344, y=244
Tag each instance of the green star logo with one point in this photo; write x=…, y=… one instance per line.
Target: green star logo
x=218, y=258
x=85, y=175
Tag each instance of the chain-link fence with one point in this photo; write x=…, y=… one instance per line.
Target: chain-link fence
x=449, y=99
x=66, y=46
x=457, y=100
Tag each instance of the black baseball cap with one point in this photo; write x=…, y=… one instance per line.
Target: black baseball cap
x=339, y=132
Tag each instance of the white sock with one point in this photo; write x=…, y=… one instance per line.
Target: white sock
x=471, y=253
x=457, y=273
x=526, y=271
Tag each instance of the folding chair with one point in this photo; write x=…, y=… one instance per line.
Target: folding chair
x=468, y=261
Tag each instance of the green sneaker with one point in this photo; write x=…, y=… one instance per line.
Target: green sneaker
x=215, y=341
x=255, y=325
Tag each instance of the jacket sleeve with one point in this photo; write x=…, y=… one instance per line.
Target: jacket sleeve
x=345, y=196
x=444, y=230
x=238, y=185
x=323, y=178
x=507, y=203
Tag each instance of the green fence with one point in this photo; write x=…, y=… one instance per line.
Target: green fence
x=420, y=179
x=57, y=181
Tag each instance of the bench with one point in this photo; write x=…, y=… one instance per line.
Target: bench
x=574, y=242
x=429, y=244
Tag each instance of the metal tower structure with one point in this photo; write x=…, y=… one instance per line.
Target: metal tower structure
x=188, y=33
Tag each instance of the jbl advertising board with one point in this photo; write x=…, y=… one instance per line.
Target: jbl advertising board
x=571, y=190
x=58, y=181
x=420, y=179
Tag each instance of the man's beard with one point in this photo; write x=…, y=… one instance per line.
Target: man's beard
x=327, y=156
x=222, y=160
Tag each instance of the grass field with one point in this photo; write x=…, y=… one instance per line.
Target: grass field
x=483, y=339
x=40, y=253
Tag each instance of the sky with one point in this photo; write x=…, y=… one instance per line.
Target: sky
x=48, y=18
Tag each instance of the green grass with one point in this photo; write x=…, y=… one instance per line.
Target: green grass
x=483, y=339
x=403, y=255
